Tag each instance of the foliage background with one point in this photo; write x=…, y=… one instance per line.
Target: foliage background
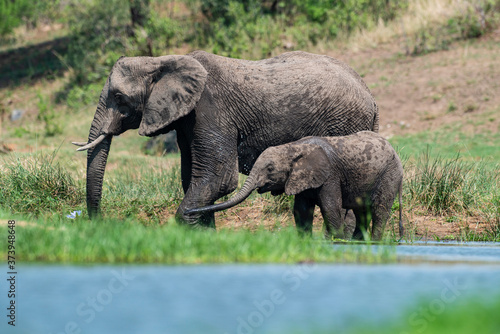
x=98, y=32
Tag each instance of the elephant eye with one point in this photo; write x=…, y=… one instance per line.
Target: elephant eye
x=119, y=98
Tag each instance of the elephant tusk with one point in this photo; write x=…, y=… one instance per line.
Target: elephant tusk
x=92, y=144
x=79, y=143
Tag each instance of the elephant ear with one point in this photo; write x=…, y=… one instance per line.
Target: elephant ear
x=177, y=85
x=310, y=169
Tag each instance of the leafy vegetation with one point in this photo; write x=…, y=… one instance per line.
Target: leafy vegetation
x=236, y=28
x=30, y=13
x=10, y=16
x=102, y=31
x=99, y=32
x=466, y=20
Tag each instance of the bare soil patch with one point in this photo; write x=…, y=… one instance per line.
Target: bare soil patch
x=418, y=226
x=417, y=93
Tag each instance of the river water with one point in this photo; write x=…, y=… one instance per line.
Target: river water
x=252, y=298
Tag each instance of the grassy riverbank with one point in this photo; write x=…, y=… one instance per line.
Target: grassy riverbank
x=117, y=241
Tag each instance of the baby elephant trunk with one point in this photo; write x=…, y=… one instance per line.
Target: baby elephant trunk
x=245, y=191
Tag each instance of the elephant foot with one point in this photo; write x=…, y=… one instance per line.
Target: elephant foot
x=205, y=220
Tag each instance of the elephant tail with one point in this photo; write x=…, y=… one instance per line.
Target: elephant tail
x=401, y=228
x=245, y=191
x=376, y=120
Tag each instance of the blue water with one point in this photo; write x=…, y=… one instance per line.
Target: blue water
x=246, y=298
x=469, y=252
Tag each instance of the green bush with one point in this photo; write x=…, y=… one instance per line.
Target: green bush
x=158, y=35
x=29, y=12
x=13, y=14
x=475, y=20
x=237, y=28
x=102, y=31
x=98, y=31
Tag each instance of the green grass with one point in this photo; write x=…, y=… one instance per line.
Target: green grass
x=456, y=187
x=461, y=317
x=114, y=241
x=451, y=174
x=146, y=190
x=449, y=141
x=445, y=186
x=143, y=188
x=36, y=184
x=140, y=196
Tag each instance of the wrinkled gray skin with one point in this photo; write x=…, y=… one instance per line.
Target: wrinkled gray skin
x=226, y=112
x=360, y=172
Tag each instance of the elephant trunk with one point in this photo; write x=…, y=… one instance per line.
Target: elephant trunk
x=98, y=148
x=96, y=165
x=245, y=191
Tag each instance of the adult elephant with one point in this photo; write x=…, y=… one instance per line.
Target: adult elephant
x=226, y=112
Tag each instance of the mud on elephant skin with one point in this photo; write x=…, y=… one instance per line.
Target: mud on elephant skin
x=359, y=172
x=225, y=112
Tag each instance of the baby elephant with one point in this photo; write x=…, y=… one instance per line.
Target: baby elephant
x=359, y=172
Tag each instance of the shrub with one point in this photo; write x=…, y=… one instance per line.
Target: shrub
x=98, y=30
x=157, y=36
x=12, y=14
x=237, y=28
x=15, y=13
x=465, y=20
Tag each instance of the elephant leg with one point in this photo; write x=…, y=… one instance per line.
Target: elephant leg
x=349, y=223
x=383, y=198
x=214, y=174
x=193, y=200
x=362, y=222
x=201, y=194
x=330, y=203
x=186, y=163
x=303, y=212
x=380, y=215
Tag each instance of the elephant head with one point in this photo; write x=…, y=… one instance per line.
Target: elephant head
x=141, y=92
x=288, y=168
